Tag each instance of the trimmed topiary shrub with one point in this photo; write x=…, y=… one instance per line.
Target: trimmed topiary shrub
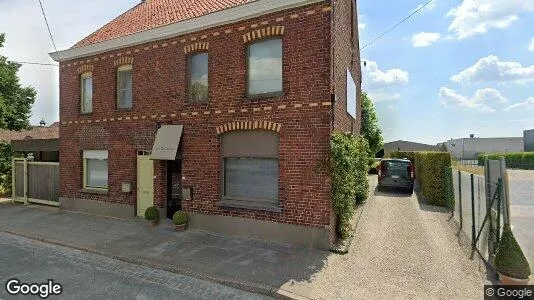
x=179, y=218
x=510, y=260
x=402, y=155
x=434, y=175
x=349, y=165
x=519, y=160
x=152, y=214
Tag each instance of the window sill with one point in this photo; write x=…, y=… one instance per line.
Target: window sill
x=124, y=109
x=94, y=191
x=228, y=203
x=86, y=114
x=188, y=103
x=265, y=96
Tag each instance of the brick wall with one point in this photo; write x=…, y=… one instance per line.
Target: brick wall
x=345, y=38
x=159, y=69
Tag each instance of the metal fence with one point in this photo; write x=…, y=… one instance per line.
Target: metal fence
x=36, y=182
x=480, y=206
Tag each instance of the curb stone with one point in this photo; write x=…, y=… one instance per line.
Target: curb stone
x=242, y=285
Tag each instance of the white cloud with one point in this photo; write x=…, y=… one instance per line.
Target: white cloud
x=376, y=78
x=425, y=39
x=474, y=17
x=531, y=46
x=522, y=106
x=485, y=100
x=491, y=69
x=383, y=96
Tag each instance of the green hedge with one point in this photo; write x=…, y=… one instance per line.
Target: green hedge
x=402, y=155
x=349, y=164
x=433, y=171
x=519, y=160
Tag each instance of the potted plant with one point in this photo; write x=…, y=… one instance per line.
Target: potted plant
x=179, y=219
x=510, y=261
x=152, y=215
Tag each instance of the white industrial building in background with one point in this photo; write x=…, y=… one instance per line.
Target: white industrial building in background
x=470, y=148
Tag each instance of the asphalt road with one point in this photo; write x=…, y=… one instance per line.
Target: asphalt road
x=88, y=276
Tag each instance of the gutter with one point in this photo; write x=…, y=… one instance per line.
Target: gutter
x=223, y=17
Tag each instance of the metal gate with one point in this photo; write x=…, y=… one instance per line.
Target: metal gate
x=36, y=182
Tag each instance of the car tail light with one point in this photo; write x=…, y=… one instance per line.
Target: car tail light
x=381, y=173
x=412, y=172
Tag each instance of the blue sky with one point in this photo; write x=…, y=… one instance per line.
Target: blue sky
x=457, y=67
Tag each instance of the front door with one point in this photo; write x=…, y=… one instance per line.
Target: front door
x=145, y=184
x=174, y=187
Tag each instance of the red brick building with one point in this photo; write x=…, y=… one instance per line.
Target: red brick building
x=221, y=108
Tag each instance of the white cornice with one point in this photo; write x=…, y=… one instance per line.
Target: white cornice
x=223, y=17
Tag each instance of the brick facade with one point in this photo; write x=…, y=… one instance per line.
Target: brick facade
x=302, y=116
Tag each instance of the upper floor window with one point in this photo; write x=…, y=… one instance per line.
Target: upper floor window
x=124, y=87
x=198, y=77
x=86, y=80
x=265, y=67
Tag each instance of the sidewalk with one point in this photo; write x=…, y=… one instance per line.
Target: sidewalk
x=248, y=264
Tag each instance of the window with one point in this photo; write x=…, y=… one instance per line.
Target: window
x=124, y=87
x=198, y=78
x=86, y=92
x=95, y=169
x=250, y=169
x=265, y=67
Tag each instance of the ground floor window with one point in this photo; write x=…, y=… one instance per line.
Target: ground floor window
x=95, y=169
x=250, y=172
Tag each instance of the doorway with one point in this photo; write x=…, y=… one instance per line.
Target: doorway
x=174, y=187
x=145, y=182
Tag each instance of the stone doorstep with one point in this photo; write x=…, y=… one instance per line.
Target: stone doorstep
x=242, y=285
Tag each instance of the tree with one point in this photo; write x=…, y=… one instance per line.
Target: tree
x=370, y=129
x=15, y=110
x=15, y=101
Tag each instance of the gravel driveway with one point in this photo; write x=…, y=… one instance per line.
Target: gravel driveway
x=401, y=250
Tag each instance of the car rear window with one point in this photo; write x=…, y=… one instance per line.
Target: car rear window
x=396, y=167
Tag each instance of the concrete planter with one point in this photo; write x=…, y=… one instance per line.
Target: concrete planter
x=154, y=223
x=506, y=280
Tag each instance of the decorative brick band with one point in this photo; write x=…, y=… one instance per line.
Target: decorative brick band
x=249, y=126
x=196, y=47
x=126, y=60
x=263, y=32
x=85, y=68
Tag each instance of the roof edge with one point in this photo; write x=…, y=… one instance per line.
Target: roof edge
x=223, y=17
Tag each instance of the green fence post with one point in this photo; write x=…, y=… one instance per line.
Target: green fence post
x=473, y=228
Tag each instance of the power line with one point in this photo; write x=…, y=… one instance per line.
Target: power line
x=47, y=25
x=34, y=63
x=396, y=25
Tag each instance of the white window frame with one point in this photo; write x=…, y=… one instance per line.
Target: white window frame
x=128, y=67
x=97, y=155
x=84, y=76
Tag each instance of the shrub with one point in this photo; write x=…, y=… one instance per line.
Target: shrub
x=510, y=260
x=434, y=175
x=179, y=218
x=519, y=160
x=152, y=214
x=349, y=159
x=402, y=155
x=374, y=168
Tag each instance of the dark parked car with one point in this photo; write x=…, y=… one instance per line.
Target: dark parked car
x=396, y=173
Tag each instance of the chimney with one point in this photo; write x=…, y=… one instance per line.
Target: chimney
x=472, y=136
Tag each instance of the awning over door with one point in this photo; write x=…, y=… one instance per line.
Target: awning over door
x=167, y=142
